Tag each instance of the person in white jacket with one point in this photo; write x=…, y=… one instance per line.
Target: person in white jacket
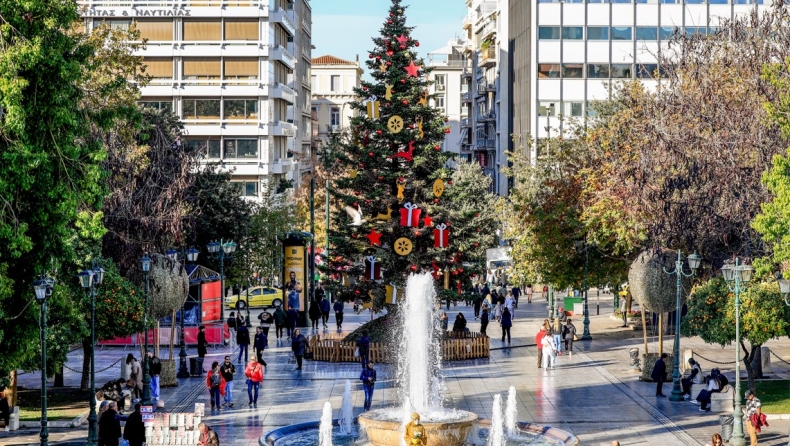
x=549, y=352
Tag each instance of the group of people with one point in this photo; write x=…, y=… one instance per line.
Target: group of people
x=550, y=340
x=135, y=383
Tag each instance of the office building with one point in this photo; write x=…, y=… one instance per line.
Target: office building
x=333, y=83
x=448, y=64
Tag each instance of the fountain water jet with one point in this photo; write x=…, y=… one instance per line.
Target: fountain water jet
x=346, y=411
x=497, y=435
x=325, y=428
x=511, y=412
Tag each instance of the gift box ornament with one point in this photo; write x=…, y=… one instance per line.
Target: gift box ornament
x=410, y=215
x=441, y=236
x=372, y=105
x=394, y=294
x=372, y=268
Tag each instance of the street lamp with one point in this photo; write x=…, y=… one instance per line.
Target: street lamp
x=89, y=279
x=145, y=263
x=693, y=259
x=191, y=256
x=784, y=289
x=43, y=289
x=228, y=248
x=737, y=277
x=582, y=244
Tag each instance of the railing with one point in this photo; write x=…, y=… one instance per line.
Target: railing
x=487, y=55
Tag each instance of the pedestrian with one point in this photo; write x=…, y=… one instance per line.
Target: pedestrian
x=539, y=343
x=109, y=426
x=202, y=346
x=207, y=436
x=546, y=292
x=497, y=308
x=254, y=374
x=293, y=316
x=232, y=326
x=368, y=378
x=135, y=376
x=510, y=304
x=266, y=320
x=338, y=307
x=243, y=339
x=226, y=371
x=754, y=416
x=506, y=323
x=443, y=321
x=134, y=430
x=716, y=440
x=486, y=291
x=298, y=346
x=478, y=303
x=529, y=291
x=5, y=409
x=569, y=335
x=216, y=385
x=325, y=307
x=695, y=377
x=259, y=344
x=363, y=346
x=549, y=352
x=459, y=326
x=280, y=319
x=659, y=374
x=556, y=333
x=484, y=320
x=516, y=294
x=490, y=277
x=314, y=312
x=154, y=370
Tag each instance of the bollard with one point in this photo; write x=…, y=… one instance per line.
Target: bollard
x=633, y=353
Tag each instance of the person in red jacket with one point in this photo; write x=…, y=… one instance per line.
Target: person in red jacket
x=254, y=374
x=216, y=385
x=538, y=341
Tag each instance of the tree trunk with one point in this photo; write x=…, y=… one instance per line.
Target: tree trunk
x=757, y=362
x=85, y=382
x=660, y=334
x=644, y=327
x=748, y=357
x=13, y=397
x=173, y=333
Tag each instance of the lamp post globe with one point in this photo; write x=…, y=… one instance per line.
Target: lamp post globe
x=693, y=261
x=737, y=277
x=42, y=287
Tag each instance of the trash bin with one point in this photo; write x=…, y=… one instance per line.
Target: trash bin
x=726, y=422
x=126, y=369
x=195, y=366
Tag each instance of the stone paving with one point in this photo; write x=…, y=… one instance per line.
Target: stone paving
x=592, y=393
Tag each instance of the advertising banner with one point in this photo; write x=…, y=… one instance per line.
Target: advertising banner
x=295, y=277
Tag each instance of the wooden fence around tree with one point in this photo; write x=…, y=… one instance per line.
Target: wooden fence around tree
x=455, y=347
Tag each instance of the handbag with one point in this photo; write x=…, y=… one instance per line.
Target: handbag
x=308, y=355
x=356, y=352
x=575, y=338
x=124, y=443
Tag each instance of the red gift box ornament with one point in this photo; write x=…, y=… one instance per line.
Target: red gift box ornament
x=441, y=236
x=410, y=215
x=372, y=268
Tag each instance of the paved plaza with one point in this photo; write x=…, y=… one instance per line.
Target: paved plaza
x=591, y=394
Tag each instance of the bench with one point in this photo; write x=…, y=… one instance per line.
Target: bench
x=696, y=389
x=722, y=401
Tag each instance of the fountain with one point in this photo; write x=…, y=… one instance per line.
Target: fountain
x=420, y=385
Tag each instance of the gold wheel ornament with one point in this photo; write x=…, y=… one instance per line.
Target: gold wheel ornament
x=395, y=124
x=438, y=188
x=403, y=246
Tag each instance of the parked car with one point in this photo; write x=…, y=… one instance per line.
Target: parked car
x=260, y=296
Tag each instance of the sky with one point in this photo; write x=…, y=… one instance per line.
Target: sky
x=344, y=29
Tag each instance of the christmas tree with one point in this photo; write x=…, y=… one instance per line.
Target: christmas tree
x=394, y=177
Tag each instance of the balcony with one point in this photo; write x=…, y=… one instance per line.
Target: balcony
x=307, y=26
x=282, y=165
x=280, y=91
x=282, y=128
x=485, y=9
x=280, y=16
x=306, y=52
x=279, y=52
x=489, y=29
x=332, y=128
x=466, y=122
x=486, y=57
x=469, y=20
x=490, y=116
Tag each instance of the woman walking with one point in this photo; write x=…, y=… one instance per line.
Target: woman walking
x=298, y=346
x=254, y=374
x=484, y=320
x=549, y=352
x=568, y=333
x=506, y=323
x=314, y=313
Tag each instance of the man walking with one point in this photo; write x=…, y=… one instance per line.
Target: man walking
x=254, y=374
x=659, y=375
x=202, y=346
x=539, y=343
x=324, y=306
x=154, y=370
x=280, y=319
x=754, y=417
x=293, y=316
x=363, y=345
x=227, y=370
x=368, y=378
x=243, y=339
x=338, y=307
x=134, y=430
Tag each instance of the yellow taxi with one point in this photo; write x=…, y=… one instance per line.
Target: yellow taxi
x=260, y=296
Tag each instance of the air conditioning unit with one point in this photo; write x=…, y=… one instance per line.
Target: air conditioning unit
x=440, y=87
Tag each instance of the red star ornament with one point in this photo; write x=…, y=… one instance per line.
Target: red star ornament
x=412, y=69
x=427, y=221
x=374, y=237
x=402, y=39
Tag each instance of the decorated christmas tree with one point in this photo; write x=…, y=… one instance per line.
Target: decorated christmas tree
x=395, y=178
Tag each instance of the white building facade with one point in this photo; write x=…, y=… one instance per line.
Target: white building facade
x=229, y=70
x=448, y=64
x=333, y=83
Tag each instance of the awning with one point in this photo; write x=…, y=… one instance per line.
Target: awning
x=198, y=274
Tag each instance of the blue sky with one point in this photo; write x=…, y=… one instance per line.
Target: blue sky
x=344, y=29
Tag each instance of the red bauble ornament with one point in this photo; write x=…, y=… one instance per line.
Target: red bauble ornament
x=403, y=47
x=477, y=244
x=389, y=64
x=455, y=272
x=356, y=204
x=411, y=126
x=364, y=88
x=435, y=200
x=362, y=165
x=446, y=119
x=356, y=292
x=354, y=236
x=390, y=53
x=380, y=178
x=356, y=192
x=447, y=130
x=392, y=14
x=437, y=148
x=416, y=43
x=416, y=233
x=403, y=81
x=378, y=57
x=380, y=132
x=477, y=215
x=370, y=153
x=405, y=102
x=449, y=181
x=371, y=56
x=413, y=267
x=367, y=201
x=389, y=104
x=389, y=22
x=401, y=179
x=478, y=229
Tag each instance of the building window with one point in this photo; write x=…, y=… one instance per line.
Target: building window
x=440, y=101
x=241, y=30
x=203, y=30
x=549, y=32
x=314, y=82
x=201, y=109
x=158, y=105
x=334, y=116
x=696, y=30
x=646, y=33
x=591, y=112
x=241, y=68
x=572, y=109
x=622, y=71
x=247, y=188
x=573, y=70
x=210, y=149
x=201, y=68
x=440, y=79
x=597, y=33
x=119, y=25
x=666, y=32
x=159, y=68
x=573, y=32
x=241, y=148
x=240, y=109
x=621, y=33
x=334, y=83
x=548, y=70
x=545, y=107
x=598, y=71
x=155, y=30
x=646, y=71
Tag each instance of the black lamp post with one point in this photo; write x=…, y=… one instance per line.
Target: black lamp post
x=693, y=259
x=582, y=245
x=228, y=248
x=145, y=262
x=89, y=278
x=191, y=256
x=43, y=289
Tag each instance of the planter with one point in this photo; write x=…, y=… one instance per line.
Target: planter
x=168, y=376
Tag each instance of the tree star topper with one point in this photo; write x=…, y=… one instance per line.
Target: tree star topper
x=412, y=69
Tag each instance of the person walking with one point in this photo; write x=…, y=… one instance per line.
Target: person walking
x=216, y=385
x=569, y=335
x=529, y=291
x=259, y=344
x=507, y=322
x=754, y=416
x=109, y=426
x=135, y=375
x=478, y=303
x=314, y=312
x=659, y=374
x=338, y=307
x=539, y=343
x=516, y=290
x=368, y=378
x=243, y=339
x=154, y=370
x=363, y=346
x=265, y=321
x=484, y=320
x=510, y=304
x=207, y=436
x=549, y=352
x=5, y=409
x=293, y=316
x=443, y=321
x=134, y=430
x=324, y=307
x=497, y=308
x=227, y=370
x=546, y=292
x=556, y=333
x=280, y=319
x=254, y=374
x=298, y=346
x=202, y=346
x=232, y=326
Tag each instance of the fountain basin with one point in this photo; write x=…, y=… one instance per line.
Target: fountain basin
x=382, y=430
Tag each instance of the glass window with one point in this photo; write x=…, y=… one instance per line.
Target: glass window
x=572, y=109
x=547, y=108
x=598, y=70
x=247, y=148
x=646, y=33
x=202, y=68
x=201, y=109
x=334, y=116
x=548, y=70
x=549, y=32
x=713, y=30
x=210, y=149
x=696, y=30
x=334, y=84
x=241, y=68
x=155, y=30
x=159, y=68
x=241, y=30
x=158, y=105
x=646, y=71
x=666, y=32
x=122, y=25
x=573, y=32
x=621, y=33
x=621, y=71
x=591, y=110
x=597, y=33
x=240, y=109
x=573, y=70
x=250, y=189
x=203, y=30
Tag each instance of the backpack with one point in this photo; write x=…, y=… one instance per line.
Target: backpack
x=216, y=380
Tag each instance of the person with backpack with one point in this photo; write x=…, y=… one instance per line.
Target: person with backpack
x=154, y=370
x=243, y=339
x=254, y=374
x=280, y=318
x=216, y=385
